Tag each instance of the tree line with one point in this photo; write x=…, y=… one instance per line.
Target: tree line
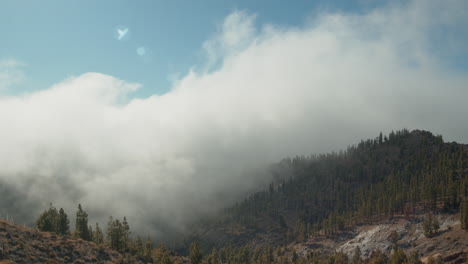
x=117, y=235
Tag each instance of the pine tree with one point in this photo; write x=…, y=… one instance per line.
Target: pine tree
x=63, y=224
x=48, y=220
x=81, y=224
x=114, y=233
x=195, y=253
x=91, y=232
x=125, y=233
x=98, y=237
x=428, y=227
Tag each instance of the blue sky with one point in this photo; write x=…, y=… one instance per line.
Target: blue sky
x=58, y=39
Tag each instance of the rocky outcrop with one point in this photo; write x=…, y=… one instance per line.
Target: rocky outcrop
x=450, y=242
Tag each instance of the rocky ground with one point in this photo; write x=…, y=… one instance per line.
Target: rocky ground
x=25, y=245
x=451, y=242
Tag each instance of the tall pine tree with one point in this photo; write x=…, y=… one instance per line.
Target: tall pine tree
x=81, y=224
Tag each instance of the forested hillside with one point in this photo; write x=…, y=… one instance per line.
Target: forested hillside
x=398, y=174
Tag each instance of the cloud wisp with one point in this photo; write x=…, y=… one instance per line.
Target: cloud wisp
x=168, y=159
x=10, y=73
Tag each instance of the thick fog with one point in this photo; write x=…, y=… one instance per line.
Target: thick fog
x=263, y=92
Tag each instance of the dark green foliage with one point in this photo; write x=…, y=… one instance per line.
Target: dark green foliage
x=53, y=221
x=63, y=224
x=195, y=253
x=115, y=234
x=81, y=225
x=118, y=236
x=47, y=221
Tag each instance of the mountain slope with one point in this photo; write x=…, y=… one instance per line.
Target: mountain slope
x=25, y=245
x=325, y=195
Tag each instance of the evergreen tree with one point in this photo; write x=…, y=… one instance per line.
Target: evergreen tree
x=428, y=226
x=195, y=253
x=126, y=233
x=81, y=224
x=98, y=237
x=115, y=234
x=63, y=224
x=48, y=220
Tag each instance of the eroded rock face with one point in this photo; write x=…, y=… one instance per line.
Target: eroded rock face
x=450, y=243
x=409, y=236
x=25, y=245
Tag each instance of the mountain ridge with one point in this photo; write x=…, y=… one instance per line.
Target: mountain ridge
x=402, y=174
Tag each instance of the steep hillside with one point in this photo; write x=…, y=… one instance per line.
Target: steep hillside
x=450, y=242
x=402, y=174
x=25, y=245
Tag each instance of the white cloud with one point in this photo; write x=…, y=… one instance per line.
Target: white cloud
x=10, y=73
x=277, y=92
x=237, y=32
